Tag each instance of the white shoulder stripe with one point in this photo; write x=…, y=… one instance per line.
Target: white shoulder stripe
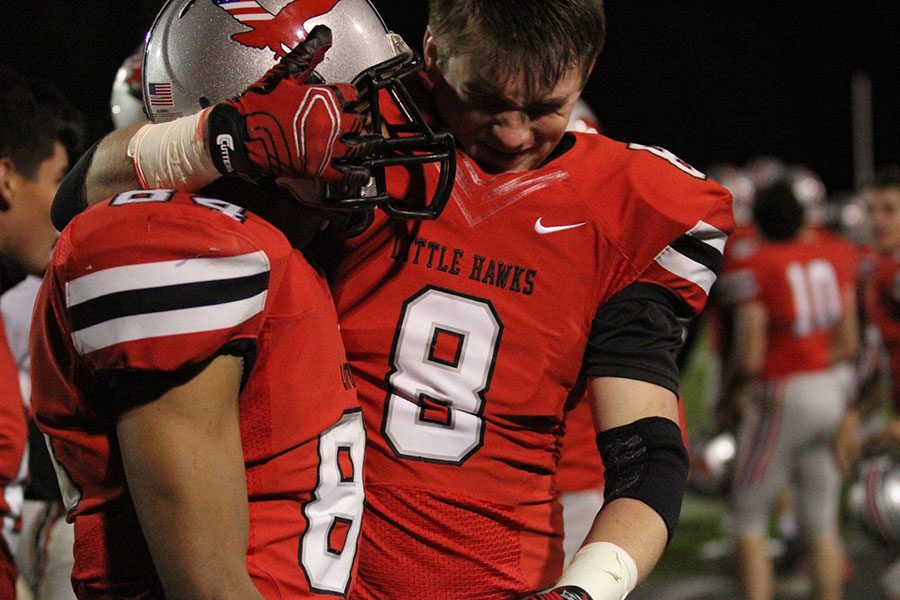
x=686, y=268
x=708, y=234
x=157, y=274
x=173, y=322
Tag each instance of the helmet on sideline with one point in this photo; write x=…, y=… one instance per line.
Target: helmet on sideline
x=126, y=103
x=712, y=463
x=583, y=119
x=874, y=499
x=810, y=191
x=199, y=52
x=765, y=170
x=739, y=183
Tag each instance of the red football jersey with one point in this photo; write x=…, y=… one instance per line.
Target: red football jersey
x=802, y=284
x=883, y=309
x=579, y=467
x=13, y=431
x=157, y=281
x=467, y=336
x=13, y=435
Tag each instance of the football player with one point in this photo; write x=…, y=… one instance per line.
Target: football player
x=883, y=202
x=191, y=379
x=796, y=319
x=882, y=301
x=559, y=256
x=38, y=131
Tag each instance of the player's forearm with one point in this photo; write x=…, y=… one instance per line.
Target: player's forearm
x=184, y=463
x=646, y=469
x=111, y=170
x=847, y=336
x=750, y=340
x=636, y=528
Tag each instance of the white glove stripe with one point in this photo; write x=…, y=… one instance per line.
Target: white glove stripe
x=312, y=96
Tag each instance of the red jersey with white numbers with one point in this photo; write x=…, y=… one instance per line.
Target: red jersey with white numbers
x=883, y=309
x=466, y=335
x=802, y=284
x=158, y=282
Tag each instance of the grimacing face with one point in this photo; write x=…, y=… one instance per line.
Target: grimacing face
x=883, y=206
x=503, y=126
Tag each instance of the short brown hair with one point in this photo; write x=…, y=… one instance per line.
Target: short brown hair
x=541, y=38
x=34, y=115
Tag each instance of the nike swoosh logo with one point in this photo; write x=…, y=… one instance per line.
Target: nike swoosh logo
x=544, y=230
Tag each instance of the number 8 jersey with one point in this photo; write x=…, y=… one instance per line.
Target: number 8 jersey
x=468, y=333
x=155, y=283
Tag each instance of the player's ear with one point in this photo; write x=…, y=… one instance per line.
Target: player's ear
x=8, y=182
x=429, y=50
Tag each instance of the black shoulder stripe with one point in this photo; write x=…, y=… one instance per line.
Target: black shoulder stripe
x=699, y=251
x=163, y=298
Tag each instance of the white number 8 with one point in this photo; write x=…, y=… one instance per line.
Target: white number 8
x=338, y=502
x=442, y=363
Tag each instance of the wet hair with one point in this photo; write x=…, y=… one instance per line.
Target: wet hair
x=540, y=38
x=33, y=116
x=777, y=212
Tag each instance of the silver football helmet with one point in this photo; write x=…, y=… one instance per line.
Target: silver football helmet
x=810, y=190
x=874, y=499
x=712, y=464
x=199, y=52
x=742, y=188
x=583, y=118
x=126, y=104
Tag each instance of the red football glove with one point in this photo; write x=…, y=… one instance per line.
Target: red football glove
x=568, y=592
x=284, y=125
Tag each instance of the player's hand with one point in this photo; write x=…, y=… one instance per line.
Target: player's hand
x=568, y=592
x=288, y=125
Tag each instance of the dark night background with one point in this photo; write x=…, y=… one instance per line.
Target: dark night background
x=709, y=80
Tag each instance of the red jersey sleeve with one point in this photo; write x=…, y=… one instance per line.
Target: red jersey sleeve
x=673, y=226
x=159, y=307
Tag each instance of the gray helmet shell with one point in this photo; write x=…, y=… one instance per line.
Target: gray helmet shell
x=199, y=52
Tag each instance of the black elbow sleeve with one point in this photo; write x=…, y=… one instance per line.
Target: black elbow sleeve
x=647, y=461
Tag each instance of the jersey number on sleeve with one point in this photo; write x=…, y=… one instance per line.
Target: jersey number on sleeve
x=817, y=299
x=442, y=361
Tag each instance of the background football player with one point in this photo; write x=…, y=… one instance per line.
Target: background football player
x=882, y=303
x=45, y=552
x=796, y=319
x=39, y=131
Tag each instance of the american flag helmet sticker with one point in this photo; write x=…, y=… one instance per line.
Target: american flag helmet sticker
x=160, y=94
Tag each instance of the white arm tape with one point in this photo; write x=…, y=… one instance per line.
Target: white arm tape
x=603, y=570
x=173, y=155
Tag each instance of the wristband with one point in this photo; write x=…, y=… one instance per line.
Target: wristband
x=173, y=155
x=603, y=570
